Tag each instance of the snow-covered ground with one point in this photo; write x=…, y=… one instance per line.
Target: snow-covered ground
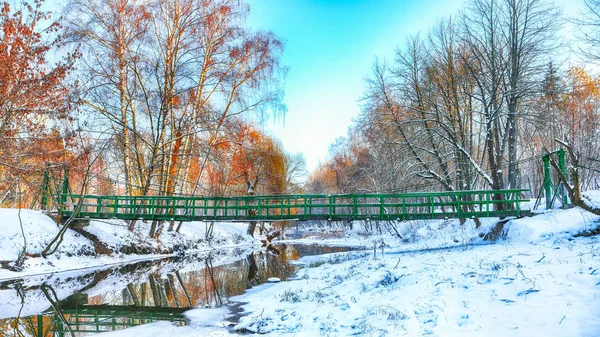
x=77, y=252
x=38, y=229
x=499, y=290
x=441, y=279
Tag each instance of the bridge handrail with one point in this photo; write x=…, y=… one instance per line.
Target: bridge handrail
x=376, y=206
x=299, y=196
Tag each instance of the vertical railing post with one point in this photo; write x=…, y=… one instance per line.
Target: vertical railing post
x=45, y=188
x=458, y=209
x=431, y=207
x=133, y=205
x=246, y=203
x=150, y=210
x=58, y=325
x=330, y=207
x=547, y=181
x=173, y=204
x=487, y=204
x=517, y=207
x=40, y=326
x=333, y=208
x=305, y=206
x=480, y=203
x=76, y=321
x=237, y=205
x=381, y=207
x=563, y=169
x=404, y=208
x=115, y=206
x=64, y=191
x=355, y=207
x=258, y=213
x=99, y=207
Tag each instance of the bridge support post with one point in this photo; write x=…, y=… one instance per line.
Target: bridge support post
x=547, y=181
x=40, y=326
x=563, y=168
x=551, y=190
x=64, y=191
x=45, y=188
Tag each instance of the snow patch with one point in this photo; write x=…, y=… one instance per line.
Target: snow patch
x=39, y=231
x=77, y=252
x=550, y=224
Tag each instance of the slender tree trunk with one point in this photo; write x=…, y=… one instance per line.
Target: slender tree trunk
x=125, y=128
x=251, y=212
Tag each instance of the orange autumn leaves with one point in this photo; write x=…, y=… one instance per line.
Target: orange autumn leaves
x=571, y=112
x=348, y=170
x=581, y=103
x=34, y=99
x=246, y=161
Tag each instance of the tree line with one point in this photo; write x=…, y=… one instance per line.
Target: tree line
x=473, y=104
x=164, y=97
x=138, y=97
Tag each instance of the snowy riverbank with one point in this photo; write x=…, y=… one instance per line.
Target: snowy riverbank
x=440, y=278
x=538, y=281
x=444, y=280
x=117, y=244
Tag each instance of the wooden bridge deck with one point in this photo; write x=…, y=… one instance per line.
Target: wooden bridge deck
x=399, y=206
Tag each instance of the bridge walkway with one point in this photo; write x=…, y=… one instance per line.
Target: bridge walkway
x=301, y=207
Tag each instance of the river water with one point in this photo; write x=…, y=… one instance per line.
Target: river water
x=82, y=303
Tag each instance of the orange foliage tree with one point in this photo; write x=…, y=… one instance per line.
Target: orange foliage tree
x=581, y=105
x=33, y=98
x=581, y=121
x=249, y=162
x=568, y=110
x=348, y=170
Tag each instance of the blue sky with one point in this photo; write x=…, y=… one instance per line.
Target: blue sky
x=330, y=46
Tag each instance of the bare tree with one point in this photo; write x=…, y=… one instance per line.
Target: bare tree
x=450, y=108
x=295, y=169
x=165, y=78
x=529, y=37
x=588, y=24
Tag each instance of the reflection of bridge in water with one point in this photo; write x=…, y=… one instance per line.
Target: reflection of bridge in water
x=141, y=293
x=102, y=318
x=155, y=299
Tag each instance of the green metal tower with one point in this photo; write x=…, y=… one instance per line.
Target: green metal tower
x=553, y=190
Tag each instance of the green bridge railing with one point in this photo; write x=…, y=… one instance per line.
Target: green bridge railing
x=104, y=318
x=404, y=206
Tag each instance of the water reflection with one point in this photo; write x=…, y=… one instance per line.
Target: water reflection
x=79, y=304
